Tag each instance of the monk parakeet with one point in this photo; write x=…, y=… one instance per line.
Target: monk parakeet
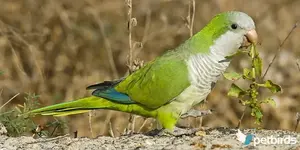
x=173, y=83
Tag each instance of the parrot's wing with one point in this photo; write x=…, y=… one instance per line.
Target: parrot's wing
x=154, y=85
x=157, y=83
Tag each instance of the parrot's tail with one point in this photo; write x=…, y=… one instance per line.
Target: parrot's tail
x=89, y=103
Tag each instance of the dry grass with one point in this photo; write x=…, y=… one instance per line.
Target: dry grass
x=55, y=48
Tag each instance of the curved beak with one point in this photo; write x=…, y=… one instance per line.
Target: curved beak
x=250, y=37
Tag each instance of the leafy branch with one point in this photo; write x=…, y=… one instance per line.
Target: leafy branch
x=250, y=97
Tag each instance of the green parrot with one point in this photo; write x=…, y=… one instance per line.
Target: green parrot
x=173, y=83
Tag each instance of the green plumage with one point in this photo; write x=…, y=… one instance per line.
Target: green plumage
x=150, y=86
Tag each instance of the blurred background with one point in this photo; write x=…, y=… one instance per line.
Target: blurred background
x=56, y=48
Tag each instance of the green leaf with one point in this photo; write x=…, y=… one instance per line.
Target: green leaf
x=257, y=114
x=274, y=88
x=253, y=52
x=257, y=63
x=232, y=76
x=270, y=101
x=235, y=91
x=247, y=74
x=1, y=72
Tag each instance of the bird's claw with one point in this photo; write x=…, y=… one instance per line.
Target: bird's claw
x=196, y=113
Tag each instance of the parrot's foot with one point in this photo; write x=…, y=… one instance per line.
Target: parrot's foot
x=176, y=132
x=155, y=132
x=182, y=131
x=196, y=113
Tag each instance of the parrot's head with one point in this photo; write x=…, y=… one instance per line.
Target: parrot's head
x=231, y=31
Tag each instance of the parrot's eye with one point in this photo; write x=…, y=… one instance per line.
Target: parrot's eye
x=234, y=26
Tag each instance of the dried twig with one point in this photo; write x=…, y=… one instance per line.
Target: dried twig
x=53, y=131
x=90, y=122
x=108, y=118
x=131, y=23
x=111, y=131
x=298, y=113
x=241, y=118
x=297, y=120
x=191, y=16
x=142, y=126
x=280, y=47
x=9, y=100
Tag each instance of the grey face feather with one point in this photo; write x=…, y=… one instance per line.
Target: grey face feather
x=243, y=21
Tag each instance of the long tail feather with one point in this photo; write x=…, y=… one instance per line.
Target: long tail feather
x=89, y=103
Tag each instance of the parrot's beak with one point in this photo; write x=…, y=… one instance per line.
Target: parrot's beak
x=249, y=38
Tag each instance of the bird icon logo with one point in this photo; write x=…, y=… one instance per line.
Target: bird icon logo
x=245, y=139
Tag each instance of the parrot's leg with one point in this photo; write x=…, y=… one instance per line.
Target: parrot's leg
x=196, y=113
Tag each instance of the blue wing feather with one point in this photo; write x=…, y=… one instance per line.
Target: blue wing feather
x=106, y=90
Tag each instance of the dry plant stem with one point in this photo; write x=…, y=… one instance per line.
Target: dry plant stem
x=130, y=61
x=142, y=126
x=108, y=118
x=53, y=131
x=90, y=122
x=279, y=49
x=18, y=63
x=111, y=131
x=297, y=120
x=192, y=8
x=240, y=120
x=133, y=122
x=108, y=49
x=298, y=113
x=9, y=100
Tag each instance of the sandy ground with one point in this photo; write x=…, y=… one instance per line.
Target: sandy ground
x=218, y=138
